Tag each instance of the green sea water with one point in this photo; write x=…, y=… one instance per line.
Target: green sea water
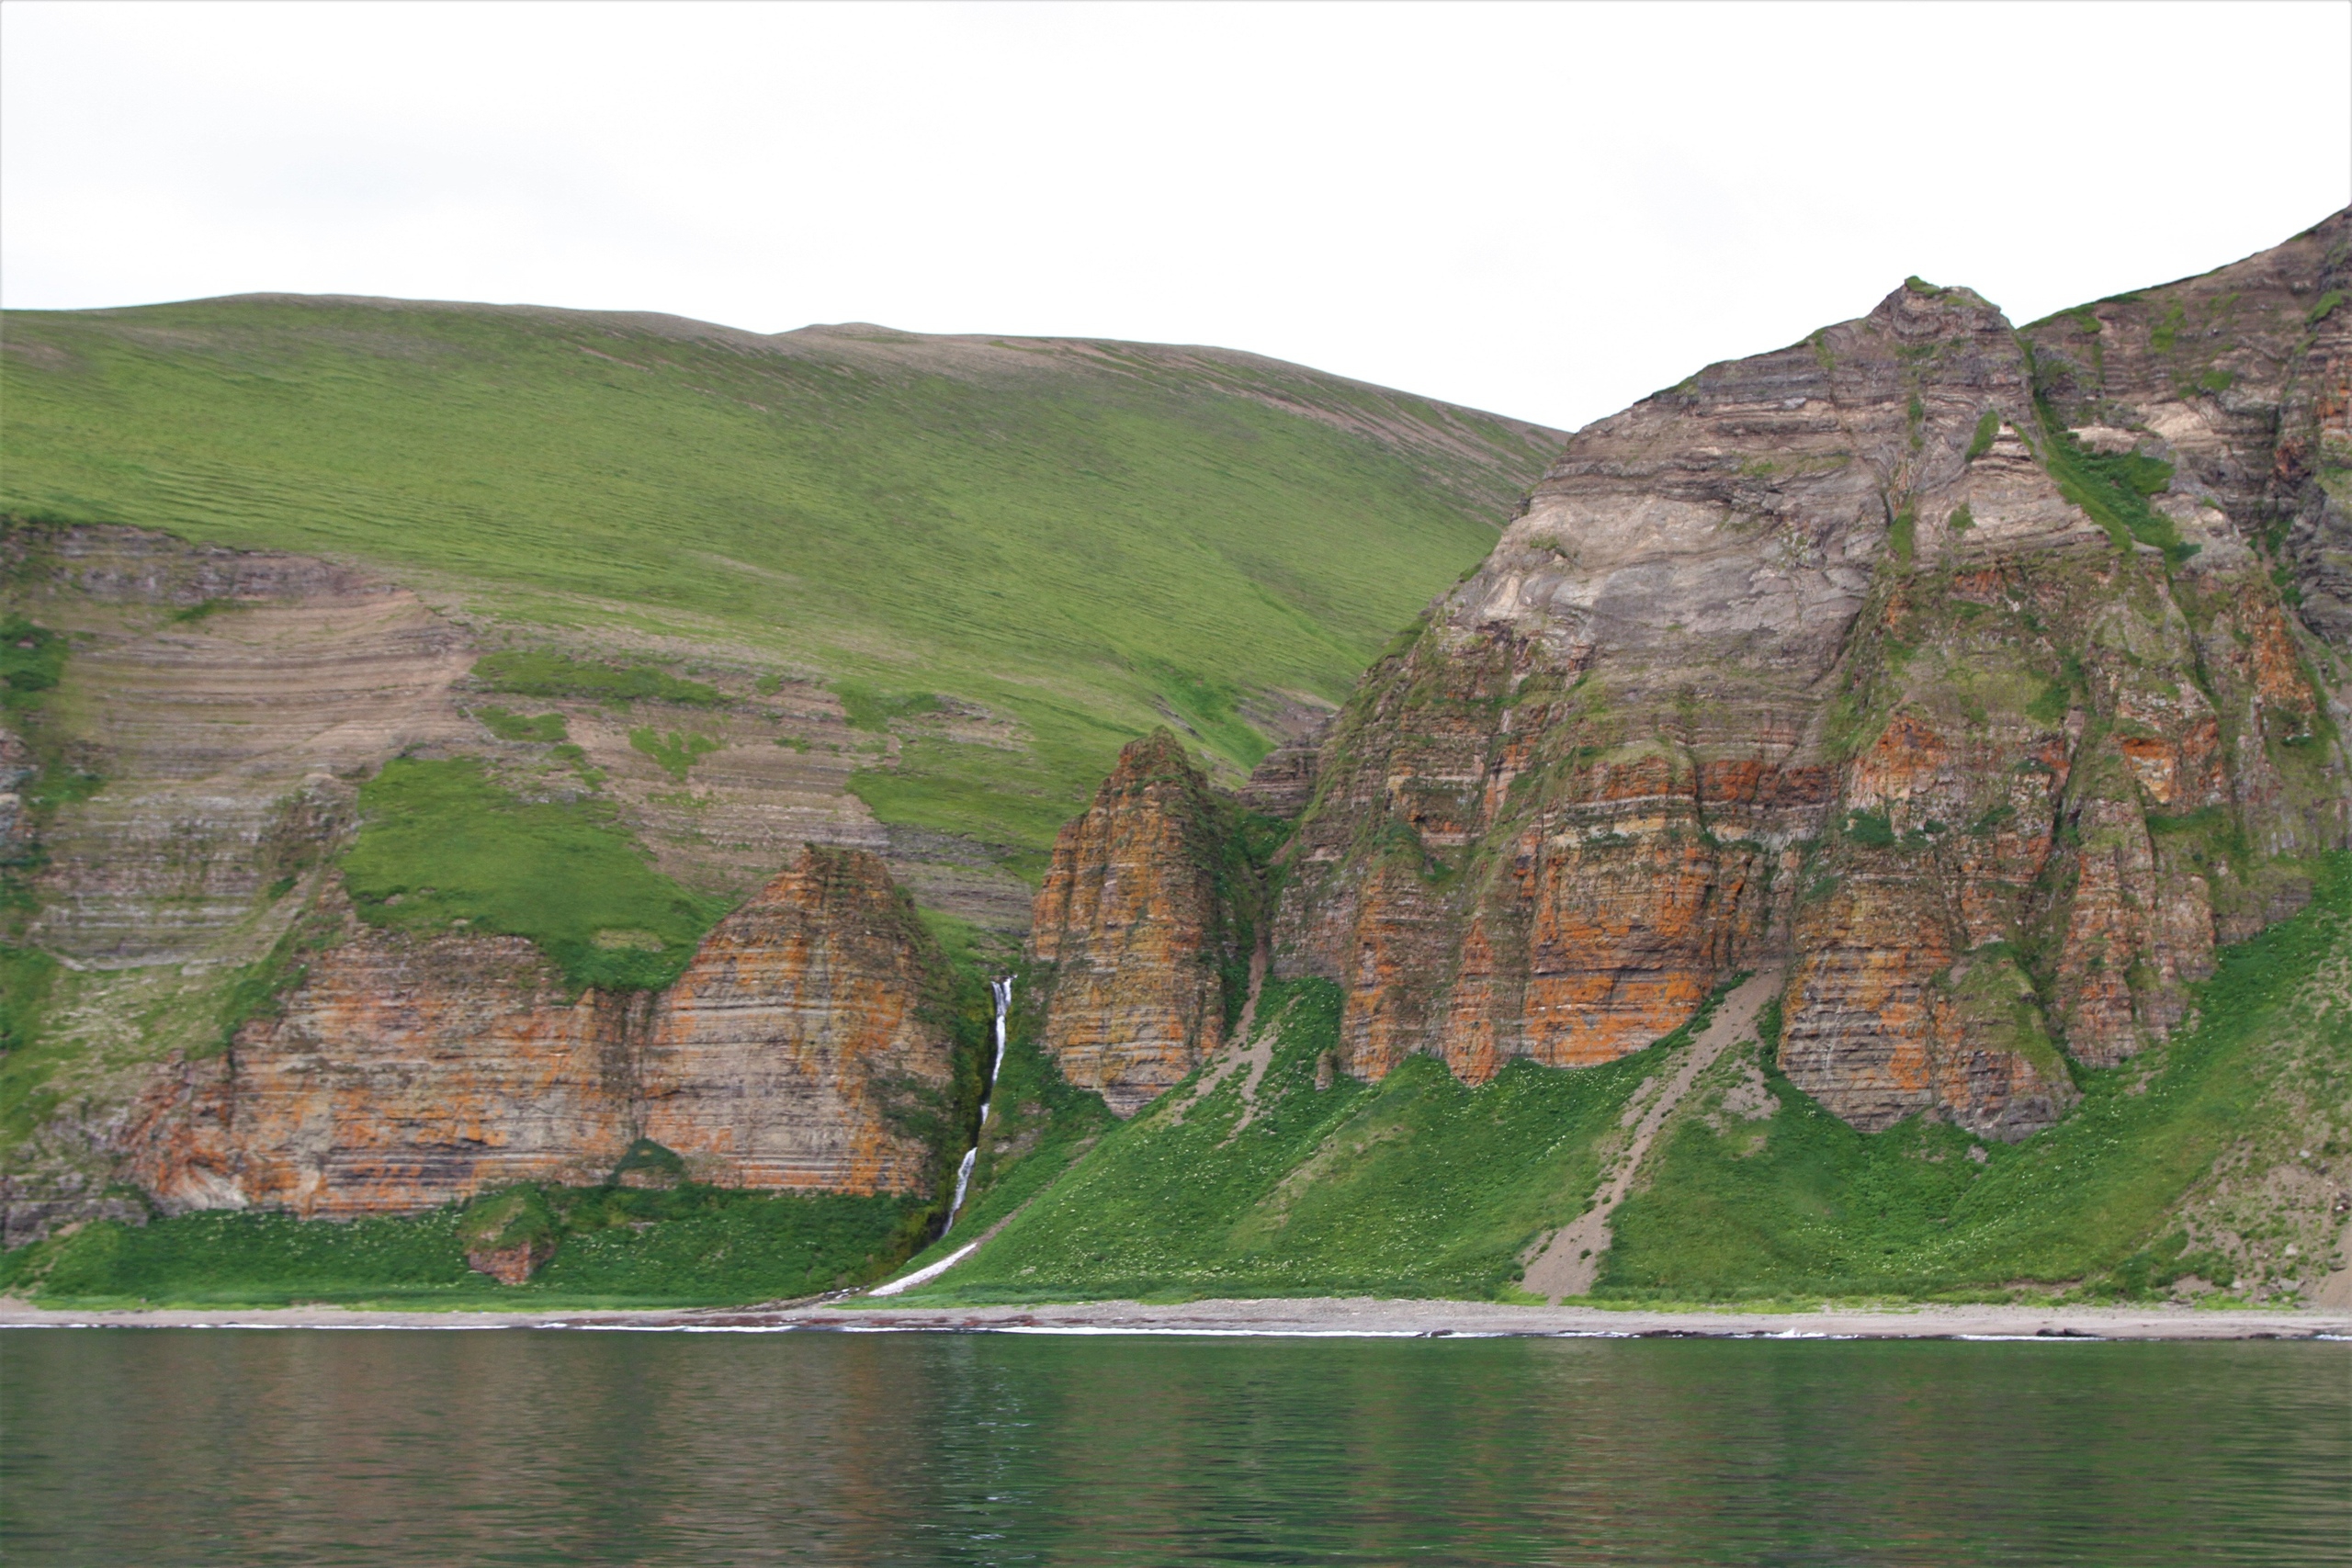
x=222, y=1446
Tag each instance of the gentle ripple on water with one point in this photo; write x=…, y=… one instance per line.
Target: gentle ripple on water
x=303, y=1446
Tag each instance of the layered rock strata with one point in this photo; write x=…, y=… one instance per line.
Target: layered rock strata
x=1133, y=933
x=2242, y=378
x=225, y=696
x=1846, y=652
x=407, y=1071
x=402, y=1072
x=217, y=710
x=810, y=1021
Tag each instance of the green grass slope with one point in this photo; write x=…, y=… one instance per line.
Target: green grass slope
x=2183, y=1169
x=1081, y=536
x=1416, y=1185
x=440, y=841
x=2199, y=1160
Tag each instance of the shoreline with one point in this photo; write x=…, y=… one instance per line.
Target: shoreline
x=1286, y=1317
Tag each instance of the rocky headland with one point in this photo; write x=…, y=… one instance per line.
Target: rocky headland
x=1860, y=653
x=1970, y=686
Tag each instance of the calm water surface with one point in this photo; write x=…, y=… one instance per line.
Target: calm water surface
x=194, y=1445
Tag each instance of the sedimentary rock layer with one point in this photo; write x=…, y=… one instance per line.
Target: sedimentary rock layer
x=1131, y=932
x=407, y=1071
x=807, y=1019
x=1849, y=652
x=403, y=1073
x=225, y=696
x=2242, y=378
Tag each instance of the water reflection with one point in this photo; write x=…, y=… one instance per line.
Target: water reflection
x=233, y=1447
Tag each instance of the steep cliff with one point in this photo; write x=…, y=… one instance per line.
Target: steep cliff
x=194, y=736
x=1143, y=929
x=808, y=1044
x=2242, y=378
x=801, y=1049
x=401, y=1072
x=1853, y=652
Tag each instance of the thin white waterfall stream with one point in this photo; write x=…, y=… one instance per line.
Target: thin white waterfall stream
x=1001, y=990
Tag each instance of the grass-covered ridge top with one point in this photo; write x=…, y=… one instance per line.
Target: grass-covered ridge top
x=1080, y=536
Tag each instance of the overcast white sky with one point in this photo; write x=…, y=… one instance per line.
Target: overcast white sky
x=1547, y=210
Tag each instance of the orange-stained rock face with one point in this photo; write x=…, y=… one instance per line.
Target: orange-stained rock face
x=406, y=1071
x=1816, y=659
x=403, y=1072
x=1129, y=933
x=806, y=1019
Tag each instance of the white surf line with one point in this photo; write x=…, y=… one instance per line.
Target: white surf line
x=1570, y=1262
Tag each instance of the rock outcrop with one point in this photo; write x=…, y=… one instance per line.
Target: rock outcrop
x=1138, y=929
x=402, y=1072
x=406, y=1071
x=2239, y=377
x=1848, y=653
x=225, y=696
x=216, y=713
x=810, y=1025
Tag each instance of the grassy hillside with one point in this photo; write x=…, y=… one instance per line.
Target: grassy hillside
x=1081, y=536
x=2185, y=1164
x=1415, y=1186
x=2198, y=1159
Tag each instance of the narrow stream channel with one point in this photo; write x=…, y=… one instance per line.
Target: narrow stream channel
x=1001, y=990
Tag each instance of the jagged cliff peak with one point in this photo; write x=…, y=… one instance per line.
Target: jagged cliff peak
x=1142, y=928
x=811, y=1021
x=1845, y=657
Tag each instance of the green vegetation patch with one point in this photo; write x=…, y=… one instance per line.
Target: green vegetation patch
x=1419, y=1185
x=535, y=672
x=32, y=661
x=1821, y=1210
x=2114, y=490
x=257, y=992
x=867, y=706
x=1016, y=798
x=1209, y=708
x=1988, y=429
x=677, y=751
x=440, y=841
x=615, y=1247
x=26, y=976
x=545, y=728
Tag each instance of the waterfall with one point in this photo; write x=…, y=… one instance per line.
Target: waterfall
x=1001, y=990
